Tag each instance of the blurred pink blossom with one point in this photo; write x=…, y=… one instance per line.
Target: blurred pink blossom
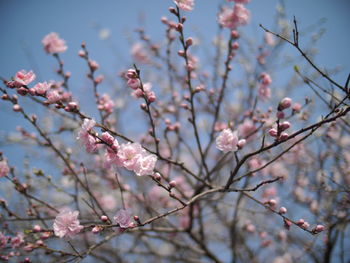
x=53, y=44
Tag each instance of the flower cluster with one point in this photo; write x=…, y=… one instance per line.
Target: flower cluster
x=129, y=155
x=85, y=137
x=106, y=104
x=233, y=18
x=264, y=90
x=140, y=91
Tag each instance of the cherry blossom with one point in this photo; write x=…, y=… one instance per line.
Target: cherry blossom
x=227, y=141
x=186, y=5
x=66, y=224
x=53, y=44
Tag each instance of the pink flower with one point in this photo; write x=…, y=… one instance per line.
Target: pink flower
x=122, y=218
x=133, y=83
x=4, y=169
x=23, y=78
x=145, y=165
x=265, y=78
x=129, y=154
x=147, y=92
x=17, y=241
x=41, y=88
x=83, y=135
x=53, y=44
x=227, y=141
x=105, y=104
x=269, y=39
x=264, y=92
x=67, y=224
x=53, y=96
x=186, y=5
x=232, y=18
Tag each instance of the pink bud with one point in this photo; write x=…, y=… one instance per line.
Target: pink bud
x=234, y=34
x=172, y=10
x=272, y=202
x=81, y=53
x=32, y=91
x=300, y=222
x=283, y=210
x=143, y=106
x=130, y=74
x=22, y=91
x=273, y=132
x=96, y=230
x=39, y=242
x=318, y=228
x=280, y=114
x=179, y=27
x=172, y=184
x=189, y=42
x=296, y=107
x=283, y=136
x=285, y=104
x=164, y=19
x=36, y=228
x=241, y=143
x=104, y=218
x=235, y=45
x=181, y=53
x=284, y=125
x=93, y=65
x=157, y=177
x=16, y=108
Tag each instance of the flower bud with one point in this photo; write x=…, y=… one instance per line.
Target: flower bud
x=272, y=202
x=284, y=125
x=189, y=42
x=37, y=228
x=172, y=184
x=16, y=108
x=235, y=45
x=96, y=230
x=273, y=132
x=241, y=143
x=157, y=177
x=280, y=114
x=181, y=53
x=104, y=218
x=283, y=136
x=285, y=104
x=282, y=210
x=234, y=34
x=318, y=228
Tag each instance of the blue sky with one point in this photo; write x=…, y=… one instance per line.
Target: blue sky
x=23, y=24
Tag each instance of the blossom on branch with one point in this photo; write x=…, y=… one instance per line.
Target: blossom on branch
x=67, y=224
x=53, y=44
x=186, y=5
